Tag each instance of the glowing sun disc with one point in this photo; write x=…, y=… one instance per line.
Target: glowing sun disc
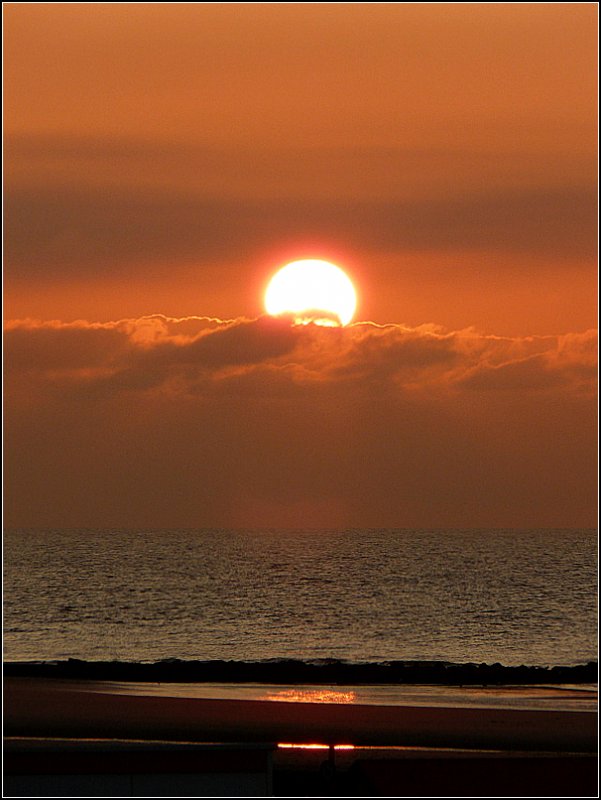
x=309, y=288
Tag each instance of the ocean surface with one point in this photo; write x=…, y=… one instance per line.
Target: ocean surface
x=483, y=596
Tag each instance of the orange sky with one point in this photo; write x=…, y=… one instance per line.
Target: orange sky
x=165, y=159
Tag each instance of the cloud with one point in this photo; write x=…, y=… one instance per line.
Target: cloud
x=69, y=231
x=524, y=374
x=568, y=361
x=205, y=354
x=203, y=422
x=43, y=347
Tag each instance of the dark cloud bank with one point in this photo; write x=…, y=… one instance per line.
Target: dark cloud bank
x=197, y=421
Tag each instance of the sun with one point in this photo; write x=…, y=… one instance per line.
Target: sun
x=312, y=291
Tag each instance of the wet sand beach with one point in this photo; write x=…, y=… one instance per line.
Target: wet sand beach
x=81, y=737
x=35, y=707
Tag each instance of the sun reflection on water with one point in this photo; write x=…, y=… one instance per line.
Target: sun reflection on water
x=311, y=696
x=291, y=746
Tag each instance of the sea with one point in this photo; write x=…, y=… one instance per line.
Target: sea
x=486, y=596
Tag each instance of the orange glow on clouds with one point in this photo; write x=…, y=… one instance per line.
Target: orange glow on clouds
x=155, y=193
x=463, y=194
x=210, y=386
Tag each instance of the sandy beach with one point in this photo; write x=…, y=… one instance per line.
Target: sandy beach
x=75, y=737
x=35, y=707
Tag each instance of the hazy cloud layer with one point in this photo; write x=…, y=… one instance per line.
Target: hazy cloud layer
x=198, y=421
x=68, y=232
